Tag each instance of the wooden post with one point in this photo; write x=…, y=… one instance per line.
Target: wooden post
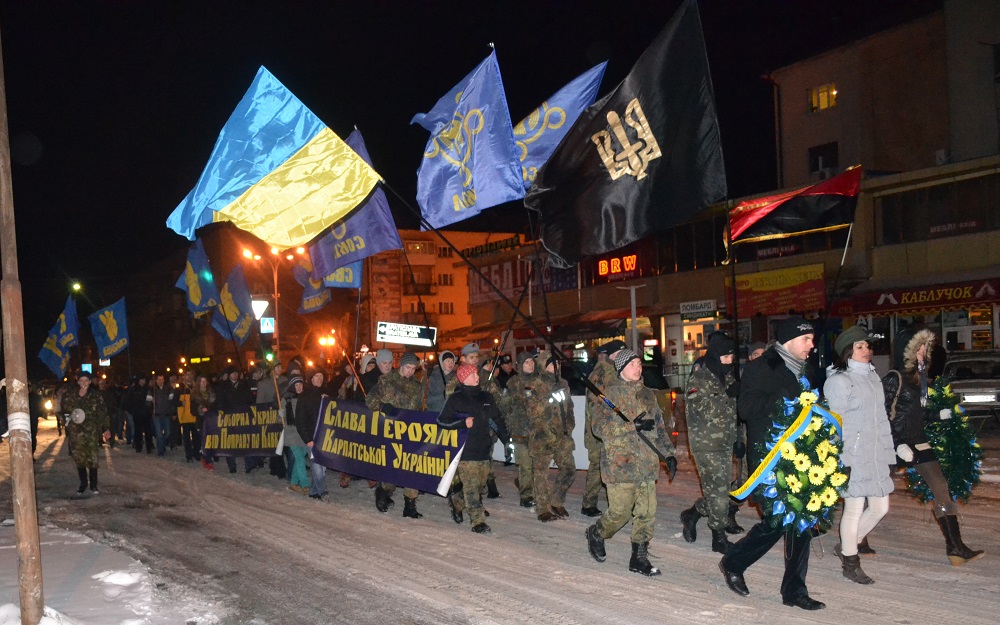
x=29, y=561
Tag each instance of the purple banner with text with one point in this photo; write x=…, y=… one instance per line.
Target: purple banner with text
x=404, y=447
x=247, y=431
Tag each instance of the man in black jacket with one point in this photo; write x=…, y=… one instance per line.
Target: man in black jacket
x=765, y=383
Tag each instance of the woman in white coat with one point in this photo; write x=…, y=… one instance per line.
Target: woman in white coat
x=855, y=392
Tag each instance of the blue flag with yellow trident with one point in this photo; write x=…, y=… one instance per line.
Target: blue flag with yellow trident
x=315, y=295
x=197, y=281
x=276, y=171
x=470, y=162
x=368, y=231
x=110, y=329
x=347, y=277
x=233, y=317
x=63, y=335
x=538, y=134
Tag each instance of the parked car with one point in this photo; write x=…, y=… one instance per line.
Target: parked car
x=975, y=381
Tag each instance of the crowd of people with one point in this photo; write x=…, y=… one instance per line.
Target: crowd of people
x=525, y=404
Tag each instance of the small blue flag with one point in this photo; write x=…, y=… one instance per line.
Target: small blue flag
x=110, y=329
x=348, y=277
x=63, y=335
x=470, y=162
x=315, y=295
x=538, y=134
x=233, y=317
x=368, y=231
x=197, y=281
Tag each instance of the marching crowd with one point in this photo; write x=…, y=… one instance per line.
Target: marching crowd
x=526, y=404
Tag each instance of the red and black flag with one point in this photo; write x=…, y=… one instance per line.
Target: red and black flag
x=643, y=158
x=828, y=205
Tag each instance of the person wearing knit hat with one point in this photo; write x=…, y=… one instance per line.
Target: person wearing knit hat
x=765, y=383
x=710, y=400
x=476, y=410
x=437, y=379
x=397, y=389
x=551, y=421
x=470, y=348
x=295, y=451
x=755, y=350
x=628, y=466
x=604, y=370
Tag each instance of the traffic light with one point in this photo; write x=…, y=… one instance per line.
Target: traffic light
x=266, y=351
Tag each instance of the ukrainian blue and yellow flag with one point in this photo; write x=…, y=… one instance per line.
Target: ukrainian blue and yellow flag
x=233, y=317
x=538, y=134
x=110, y=329
x=63, y=335
x=197, y=281
x=276, y=171
x=470, y=162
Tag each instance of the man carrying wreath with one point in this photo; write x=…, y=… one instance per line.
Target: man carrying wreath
x=766, y=382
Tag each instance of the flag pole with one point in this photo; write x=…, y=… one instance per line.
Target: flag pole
x=29, y=559
x=843, y=257
x=732, y=274
x=672, y=466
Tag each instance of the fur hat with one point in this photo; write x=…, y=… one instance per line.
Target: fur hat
x=464, y=372
x=793, y=328
x=409, y=358
x=849, y=337
x=383, y=356
x=624, y=357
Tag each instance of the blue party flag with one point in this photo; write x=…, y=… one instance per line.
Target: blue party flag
x=63, y=335
x=197, y=281
x=233, y=317
x=110, y=329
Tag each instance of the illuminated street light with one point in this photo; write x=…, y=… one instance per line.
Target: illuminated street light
x=76, y=287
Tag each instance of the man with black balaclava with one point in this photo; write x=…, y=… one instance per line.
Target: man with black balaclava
x=711, y=420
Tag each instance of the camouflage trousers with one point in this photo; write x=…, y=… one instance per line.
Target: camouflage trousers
x=525, y=475
x=473, y=474
x=592, y=488
x=630, y=501
x=715, y=470
x=542, y=454
x=409, y=493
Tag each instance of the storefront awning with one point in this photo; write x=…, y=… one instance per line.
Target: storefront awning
x=881, y=298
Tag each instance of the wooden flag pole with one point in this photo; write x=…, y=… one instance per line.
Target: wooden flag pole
x=29, y=560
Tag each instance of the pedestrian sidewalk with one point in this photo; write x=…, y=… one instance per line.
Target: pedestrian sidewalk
x=85, y=583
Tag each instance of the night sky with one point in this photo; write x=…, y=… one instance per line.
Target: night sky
x=113, y=107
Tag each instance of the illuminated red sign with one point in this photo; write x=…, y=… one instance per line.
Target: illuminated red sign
x=617, y=265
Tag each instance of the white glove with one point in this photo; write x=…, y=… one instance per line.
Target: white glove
x=944, y=414
x=905, y=453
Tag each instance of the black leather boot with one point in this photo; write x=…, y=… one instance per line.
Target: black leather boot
x=865, y=549
x=93, y=480
x=410, y=508
x=456, y=514
x=381, y=499
x=852, y=570
x=733, y=527
x=958, y=552
x=690, y=518
x=595, y=543
x=491, y=489
x=639, y=563
x=720, y=542
x=83, y=480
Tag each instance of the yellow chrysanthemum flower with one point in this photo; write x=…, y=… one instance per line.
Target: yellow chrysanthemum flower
x=802, y=462
x=817, y=475
x=793, y=483
x=788, y=451
x=830, y=465
x=814, y=504
x=823, y=450
x=838, y=479
x=808, y=398
x=829, y=497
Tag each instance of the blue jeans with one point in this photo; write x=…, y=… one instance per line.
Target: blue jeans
x=161, y=428
x=317, y=484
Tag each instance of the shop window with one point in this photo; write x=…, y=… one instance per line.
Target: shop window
x=822, y=97
x=949, y=209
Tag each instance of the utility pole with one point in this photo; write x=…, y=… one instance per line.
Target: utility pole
x=635, y=331
x=29, y=560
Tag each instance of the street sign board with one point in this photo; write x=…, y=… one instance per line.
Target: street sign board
x=698, y=310
x=267, y=325
x=388, y=332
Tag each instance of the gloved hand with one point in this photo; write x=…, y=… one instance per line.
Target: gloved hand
x=733, y=390
x=671, y=467
x=905, y=453
x=386, y=407
x=739, y=449
x=945, y=414
x=643, y=425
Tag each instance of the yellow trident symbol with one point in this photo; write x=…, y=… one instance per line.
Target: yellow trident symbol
x=110, y=325
x=454, y=142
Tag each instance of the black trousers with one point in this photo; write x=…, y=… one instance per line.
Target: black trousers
x=143, y=431
x=759, y=541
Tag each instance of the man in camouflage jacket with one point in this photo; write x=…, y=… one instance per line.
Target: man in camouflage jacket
x=629, y=467
x=711, y=419
x=551, y=423
x=514, y=405
x=603, y=371
x=397, y=390
x=85, y=436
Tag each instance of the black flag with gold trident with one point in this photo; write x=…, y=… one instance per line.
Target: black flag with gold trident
x=644, y=158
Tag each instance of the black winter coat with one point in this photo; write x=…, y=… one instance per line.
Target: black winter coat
x=307, y=412
x=765, y=382
x=471, y=401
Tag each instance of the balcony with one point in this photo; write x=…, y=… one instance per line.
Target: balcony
x=420, y=288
